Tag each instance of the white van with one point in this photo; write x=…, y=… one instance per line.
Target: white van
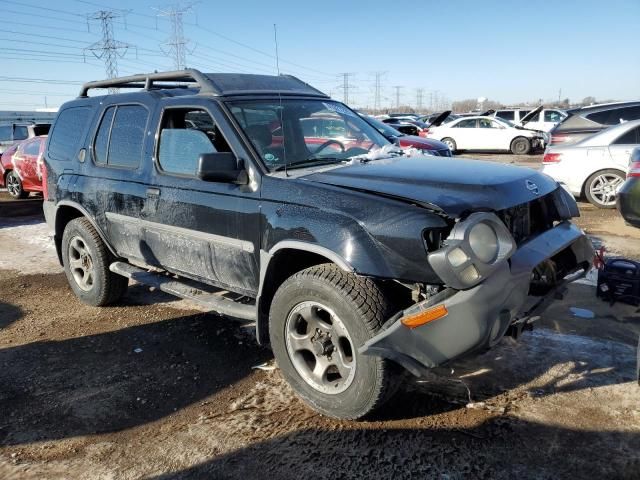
x=545, y=120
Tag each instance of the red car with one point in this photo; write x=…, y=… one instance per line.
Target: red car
x=21, y=167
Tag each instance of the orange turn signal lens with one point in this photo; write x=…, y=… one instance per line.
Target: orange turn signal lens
x=426, y=316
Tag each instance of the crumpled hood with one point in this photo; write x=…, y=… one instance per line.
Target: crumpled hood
x=451, y=185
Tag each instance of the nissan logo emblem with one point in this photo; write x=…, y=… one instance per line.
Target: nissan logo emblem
x=532, y=187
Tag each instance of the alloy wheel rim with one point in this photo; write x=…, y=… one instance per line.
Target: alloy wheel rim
x=603, y=188
x=81, y=264
x=13, y=185
x=320, y=347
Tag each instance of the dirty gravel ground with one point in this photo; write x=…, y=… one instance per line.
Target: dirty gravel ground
x=155, y=388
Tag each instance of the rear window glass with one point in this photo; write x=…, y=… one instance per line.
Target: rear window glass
x=127, y=136
x=507, y=115
x=66, y=133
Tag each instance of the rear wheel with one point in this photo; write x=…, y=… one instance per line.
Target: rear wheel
x=600, y=188
x=86, y=263
x=318, y=319
x=520, y=146
x=450, y=142
x=14, y=185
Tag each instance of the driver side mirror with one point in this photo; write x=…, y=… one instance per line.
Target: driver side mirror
x=221, y=167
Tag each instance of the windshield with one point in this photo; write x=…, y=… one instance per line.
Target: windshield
x=301, y=133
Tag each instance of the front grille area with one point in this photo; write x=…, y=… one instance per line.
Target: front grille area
x=528, y=219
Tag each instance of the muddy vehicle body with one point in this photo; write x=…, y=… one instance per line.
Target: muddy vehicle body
x=353, y=260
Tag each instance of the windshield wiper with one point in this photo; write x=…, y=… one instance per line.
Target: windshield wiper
x=312, y=163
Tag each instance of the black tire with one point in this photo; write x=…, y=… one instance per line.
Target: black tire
x=14, y=185
x=451, y=143
x=520, y=146
x=597, y=200
x=105, y=287
x=362, y=308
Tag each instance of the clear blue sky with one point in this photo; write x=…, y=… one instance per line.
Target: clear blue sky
x=509, y=51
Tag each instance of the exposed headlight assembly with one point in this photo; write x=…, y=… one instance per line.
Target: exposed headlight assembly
x=473, y=250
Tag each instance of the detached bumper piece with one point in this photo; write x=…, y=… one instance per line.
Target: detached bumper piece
x=454, y=323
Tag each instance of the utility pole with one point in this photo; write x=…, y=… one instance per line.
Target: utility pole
x=398, y=88
x=108, y=49
x=419, y=95
x=559, y=95
x=346, y=86
x=177, y=44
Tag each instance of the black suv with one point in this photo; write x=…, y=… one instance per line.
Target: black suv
x=585, y=121
x=352, y=257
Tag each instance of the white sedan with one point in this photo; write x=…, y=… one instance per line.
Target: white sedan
x=487, y=133
x=595, y=166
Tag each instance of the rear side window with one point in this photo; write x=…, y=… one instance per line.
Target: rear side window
x=120, y=138
x=615, y=116
x=629, y=138
x=20, y=133
x=506, y=114
x=32, y=148
x=66, y=133
x=523, y=113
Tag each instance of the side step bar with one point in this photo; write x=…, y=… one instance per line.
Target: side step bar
x=214, y=301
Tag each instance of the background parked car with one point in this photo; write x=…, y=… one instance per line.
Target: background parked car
x=628, y=197
x=428, y=119
x=21, y=167
x=595, y=166
x=544, y=120
x=395, y=122
x=486, y=133
x=585, y=121
x=427, y=145
x=11, y=133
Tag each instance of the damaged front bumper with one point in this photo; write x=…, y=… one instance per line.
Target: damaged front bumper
x=477, y=318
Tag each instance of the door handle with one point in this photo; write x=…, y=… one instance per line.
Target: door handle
x=153, y=192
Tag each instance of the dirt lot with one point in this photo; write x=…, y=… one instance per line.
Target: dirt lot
x=155, y=388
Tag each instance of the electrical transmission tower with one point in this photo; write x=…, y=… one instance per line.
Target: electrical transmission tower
x=398, y=88
x=346, y=86
x=419, y=97
x=108, y=49
x=177, y=44
x=377, y=91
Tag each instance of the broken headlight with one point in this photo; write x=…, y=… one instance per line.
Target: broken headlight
x=473, y=250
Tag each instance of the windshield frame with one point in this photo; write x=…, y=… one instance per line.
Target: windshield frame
x=342, y=112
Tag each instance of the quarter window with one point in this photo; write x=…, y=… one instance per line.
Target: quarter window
x=101, y=143
x=185, y=134
x=632, y=137
x=67, y=132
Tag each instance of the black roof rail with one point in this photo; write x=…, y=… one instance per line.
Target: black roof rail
x=145, y=81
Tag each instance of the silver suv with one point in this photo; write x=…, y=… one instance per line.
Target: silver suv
x=11, y=133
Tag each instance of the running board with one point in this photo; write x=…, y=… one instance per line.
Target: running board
x=214, y=301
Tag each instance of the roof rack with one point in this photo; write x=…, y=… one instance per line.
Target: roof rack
x=146, y=81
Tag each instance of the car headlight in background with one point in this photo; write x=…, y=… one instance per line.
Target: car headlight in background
x=473, y=250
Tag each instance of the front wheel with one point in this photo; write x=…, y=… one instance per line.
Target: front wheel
x=450, y=142
x=601, y=187
x=318, y=319
x=86, y=264
x=520, y=146
x=14, y=185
